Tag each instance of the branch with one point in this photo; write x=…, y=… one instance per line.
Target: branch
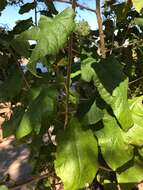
x=34, y=179
x=35, y=12
x=77, y=5
x=70, y=56
x=136, y=80
x=16, y=61
x=101, y=33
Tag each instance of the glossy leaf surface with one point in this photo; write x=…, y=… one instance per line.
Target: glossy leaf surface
x=112, y=85
x=77, y=154
x=94, y=115
x=133, y=174
x=134, y=135
x=138, y=4
x=51, y=35
x=111, y=138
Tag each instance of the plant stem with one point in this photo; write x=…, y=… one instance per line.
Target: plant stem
x=35, y=1
x=34, y=179
x=70, y=56
x=119, y=187
x=18, y=64
x=101, y=33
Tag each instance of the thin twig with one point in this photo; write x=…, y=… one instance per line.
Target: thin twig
x=35, y=2
x=77, y=5
x=70, y=56
x=11, y=51
x=119, y=187
x=140, y=78
x=100, y=26
x=139, y=43
x=106, y=169
x=34, y=179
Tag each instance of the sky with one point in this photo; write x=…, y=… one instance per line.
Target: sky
x=10, y=14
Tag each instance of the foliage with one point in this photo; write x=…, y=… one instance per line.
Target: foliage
x=104, y=132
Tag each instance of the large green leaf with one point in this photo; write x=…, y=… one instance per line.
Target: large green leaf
x=43, y=105
x=77, y=154
x=87, y=71
x=26, y=8
x=51, y=35
x=112, y=85
x=111, y=139
x=133, y=174
x=134, y=135
x=136, y=107
x=138, y=4
x=94, y=115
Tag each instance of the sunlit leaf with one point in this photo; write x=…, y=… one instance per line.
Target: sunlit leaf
x=87, y=71
x=77, y=154
x=51, y=35
x=134, y=135
x=132, y=174
x=112, y=85
x=138, y=4
x=94, y=115
x=111, y=139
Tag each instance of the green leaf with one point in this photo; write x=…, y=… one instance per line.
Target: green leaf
x=21, y=47
x=26, y=8
x=87, y=71
x=3, y=187
x=77, y=156
x=133, y=174
x=3, y=4
x=43, y=105
x=136, y=107
x=12, y=85
x=112, y=85
x=51, y=35
x=22, y=25
x=51, y=7
x=134, y=135
x=141, y=151
x=138, y=4
x=94, y=115
x=138, y=21
x=111, y=139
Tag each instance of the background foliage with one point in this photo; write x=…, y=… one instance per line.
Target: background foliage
x=102, y=142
